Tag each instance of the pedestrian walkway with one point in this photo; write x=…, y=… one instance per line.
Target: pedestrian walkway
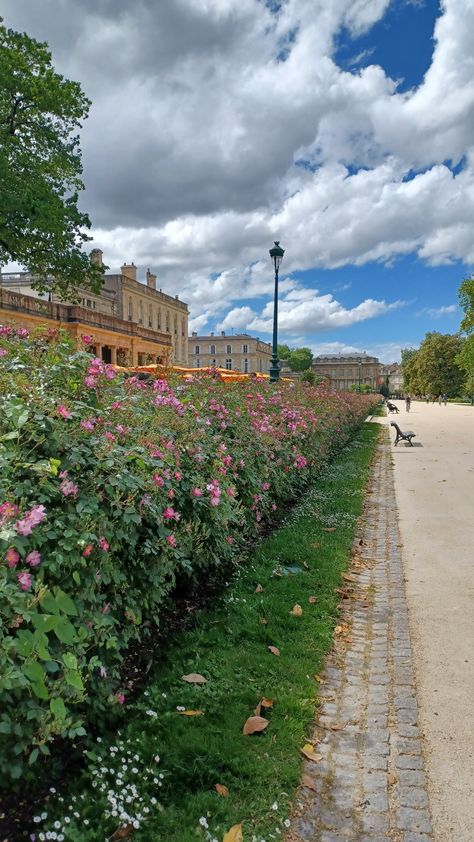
x=369, y=782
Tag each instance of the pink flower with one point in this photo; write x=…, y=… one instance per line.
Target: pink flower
x=171, y=540
x=69, y=488
x=171, y=493
x=90, y=381
x=196, y=492
x=87, y=550
x=86, y=338
x=7, y=511
x=3, y=352
x=230, y=539
x=12, y=557
x=63, y=411
x=215, y=501
x=33, y=558
x=110, y=372
x=170, y=514
x=104, y=544
x=31, y=519
x=120, y=698
x=178, y=476
x=22, y=332
x=230, y=491
x=157, y=480
x=120, y=429
x=110, y=436
x=24, y=580
x=87, y=425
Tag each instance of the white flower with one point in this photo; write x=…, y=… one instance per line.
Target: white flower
x=57, y=825
x=274, y=806
x=156, y=758
x=37, y=819
x=287, y=822
x=203, y=822
x=180, y=707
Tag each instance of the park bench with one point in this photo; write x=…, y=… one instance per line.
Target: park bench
x=391, y=407
x=402, y=436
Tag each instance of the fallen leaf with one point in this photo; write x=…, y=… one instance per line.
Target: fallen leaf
x=274, y=650
x=337, y=726
x=329, y=528
x=392, y=778
x=308, y=781
x=221, y=790
x=297, y=610
x=254, y=725
x=191, y=712
x=319, y=679
x=234, y=834
x=312, y=599
x=259, y=589
x=194, y=678
x=309, y=752
x=263, y=621
x=266, y=704
x=122, y=832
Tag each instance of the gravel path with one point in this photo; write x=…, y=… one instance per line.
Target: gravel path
x=369, y=783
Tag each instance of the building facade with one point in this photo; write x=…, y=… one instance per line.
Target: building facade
x=346, y=370
x=239, y=352
x=395, y=377
x=130, y=323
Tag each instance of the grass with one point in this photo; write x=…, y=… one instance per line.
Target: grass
x=228, y=646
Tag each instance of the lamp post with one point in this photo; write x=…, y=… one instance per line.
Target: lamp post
x=276, y=255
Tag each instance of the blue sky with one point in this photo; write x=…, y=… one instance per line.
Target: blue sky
x=344, y=129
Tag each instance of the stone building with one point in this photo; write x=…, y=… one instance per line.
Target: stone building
x=395, y=377
x=346, y=370
x=239, y=352
x=131, y=323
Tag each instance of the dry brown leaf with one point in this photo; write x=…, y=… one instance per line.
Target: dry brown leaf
x=307, y=780
x=337, y=726
x=191, y=712
x=234, y=834
x=329, y=528
x=392, y=778
x=274, y=650
x=266, y=704
x=320, y=679
x=263, y=621
x=350, y=577
x=254, y=725
x=309, y=752
x=296, y=611
x=122, y=832
x=221, y=790
x=312, y=599
x=259, y=589
x=194, y=678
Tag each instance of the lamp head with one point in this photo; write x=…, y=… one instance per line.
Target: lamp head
x=276, y=254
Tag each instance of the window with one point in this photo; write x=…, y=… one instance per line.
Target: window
x=175, y=325
x=140, y=312
x=213, y=363
x=212, y=349
x=245, y=349
x=260, y=364
x=167, y=321
x=150, y=316
x=197, y=349
x=228, y=364
x=94, y=305
x=89, y=302
x=246, y=366
x=228, y=349
x=183, y=327
x=130, y=310
x=198, y=363
x=158, y=321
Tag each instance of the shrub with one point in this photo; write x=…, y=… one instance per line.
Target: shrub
x=113, y=492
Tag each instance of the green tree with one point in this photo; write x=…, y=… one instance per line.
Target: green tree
x=434, y=368
x=308, y=377
x=300, y=359
x=466, y=300
x=284, y=352
x=384, y=390
x=465, y=358
x=41, y=226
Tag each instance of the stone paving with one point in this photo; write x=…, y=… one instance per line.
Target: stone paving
x=369, y=784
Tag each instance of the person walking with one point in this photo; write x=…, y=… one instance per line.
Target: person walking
x=407, y=402
x=445, y=399
x=440, y=398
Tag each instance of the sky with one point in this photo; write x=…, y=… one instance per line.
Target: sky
x=342, y=128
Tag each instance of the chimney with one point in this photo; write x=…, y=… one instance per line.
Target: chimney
x=212, y=334
x=96, y=257
x=129, y=270
x=222, y=332
x=194, y=333
x=150, y=279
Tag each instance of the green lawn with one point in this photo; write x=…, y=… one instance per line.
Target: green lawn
x=229, y=647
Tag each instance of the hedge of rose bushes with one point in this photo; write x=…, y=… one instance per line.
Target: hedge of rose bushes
x=114, y=491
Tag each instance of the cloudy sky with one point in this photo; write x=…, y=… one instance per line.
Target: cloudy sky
x=342, y=128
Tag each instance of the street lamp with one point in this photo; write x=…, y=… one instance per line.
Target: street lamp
x=276, y=254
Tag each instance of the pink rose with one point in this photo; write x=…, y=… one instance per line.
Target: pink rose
x=171, y=540
x=33, y=558
x=170, y=514
x=104, y=544
x=120, y=698
x=63, y=411
x=24, y=580
x=86, y=338
x=12, y=557
x=87, y=550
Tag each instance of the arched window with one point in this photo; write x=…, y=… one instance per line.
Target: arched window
x=150, y=316
x=159, y=319
x=140, y=312
x=167, y=321
x=175, y=325
x=183, y=327
x=130, y=310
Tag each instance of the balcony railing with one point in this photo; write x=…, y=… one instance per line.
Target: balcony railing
x=71, y=313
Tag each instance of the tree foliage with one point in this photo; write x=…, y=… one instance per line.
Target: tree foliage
x=433, y=368
x=298, y=359
x=41, y=226
x=466, y=300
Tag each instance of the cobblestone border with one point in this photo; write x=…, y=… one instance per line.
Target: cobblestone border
x=370, y=783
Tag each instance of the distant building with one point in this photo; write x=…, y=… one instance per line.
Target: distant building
x=131, y=323
x=345, y=370
x=395, y=377
x=239, y=352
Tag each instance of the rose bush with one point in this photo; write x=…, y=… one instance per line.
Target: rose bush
x=113, y=492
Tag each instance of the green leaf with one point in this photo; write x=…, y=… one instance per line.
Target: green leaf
x=74, y=679
x=34, y=671
x=65, y=631
x=76, y=576
x=33, y=757
x=45, y=622
x=40, y=690
x=70, y=660
x=24, y=643
x=65, y=603
x=58, y=708
x=48, y=603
